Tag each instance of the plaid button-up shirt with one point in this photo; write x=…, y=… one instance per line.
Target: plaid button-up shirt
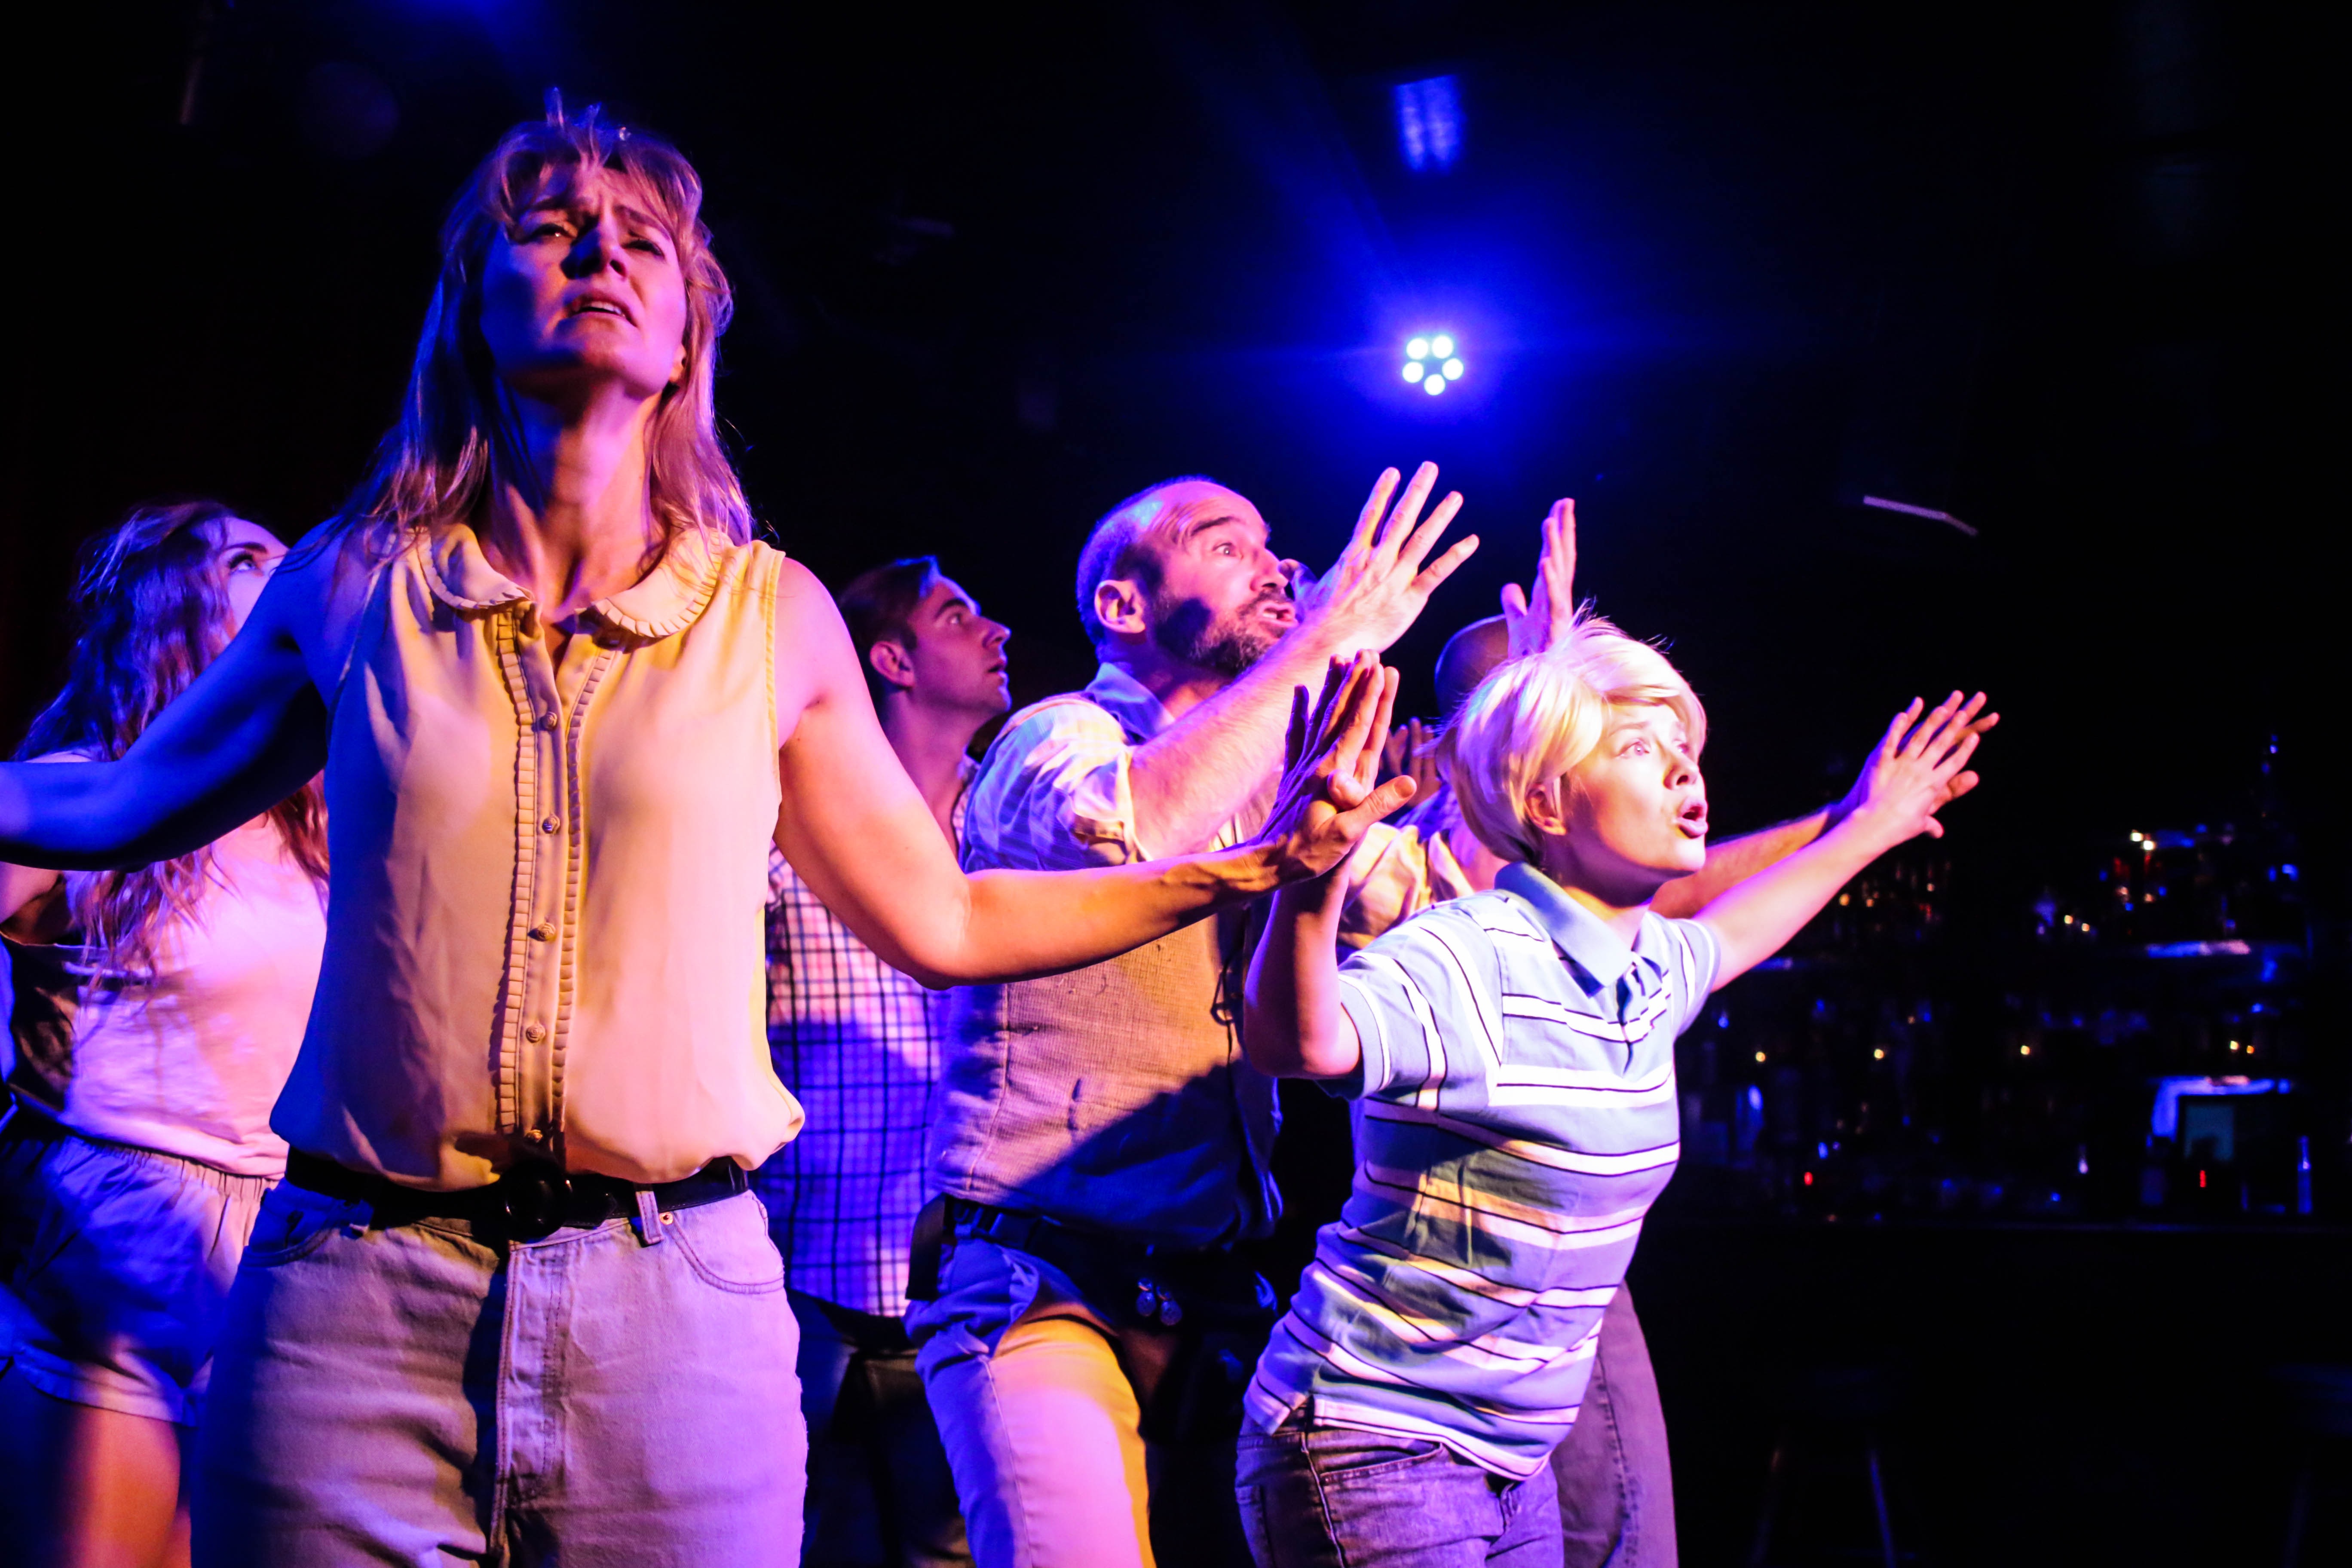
x=858, y=1045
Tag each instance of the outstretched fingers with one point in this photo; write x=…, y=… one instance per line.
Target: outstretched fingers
x=1376, y=805
x=1353, y=742
x=1891, y=743
x=1383, y=717
x=1400, y=526
x=1445, y=566
x=1961, y=723
x=1368, y=521
x=1336, y=676
x=1556, y=571
x=1955, y=759
x=1424, y=539
x=1923, y=737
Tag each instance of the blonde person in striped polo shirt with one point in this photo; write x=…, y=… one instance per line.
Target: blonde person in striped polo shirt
x=1514, y=1054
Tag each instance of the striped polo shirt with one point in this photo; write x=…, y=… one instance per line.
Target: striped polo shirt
x=1518, y=1120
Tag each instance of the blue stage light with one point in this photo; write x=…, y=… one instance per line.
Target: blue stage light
x=1430, y=362
x=1429, y=123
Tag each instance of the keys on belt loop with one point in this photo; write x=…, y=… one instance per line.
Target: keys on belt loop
x=1152, y=1301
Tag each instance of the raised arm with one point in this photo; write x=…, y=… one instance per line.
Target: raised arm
x=1908, y=779
x=1189, y=781
x=1533, y=622
x=1292, y=1023
x=1737, y=859
x=855, y=827
x=243, y=737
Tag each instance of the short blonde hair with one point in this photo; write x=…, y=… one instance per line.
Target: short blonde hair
x=1535, y=718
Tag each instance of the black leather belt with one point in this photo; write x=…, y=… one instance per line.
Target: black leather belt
x=1164, y=1278
x=525, y=1204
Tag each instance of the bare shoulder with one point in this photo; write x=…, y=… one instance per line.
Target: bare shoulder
x=318, y=596
x=804, y=608
x=814, y=660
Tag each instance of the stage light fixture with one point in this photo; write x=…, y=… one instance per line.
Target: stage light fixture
x=1429, y=123
x=1430, y=362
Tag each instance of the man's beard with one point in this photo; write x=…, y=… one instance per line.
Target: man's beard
x=1192, y=634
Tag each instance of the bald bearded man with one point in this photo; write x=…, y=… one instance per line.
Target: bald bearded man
x=1100, y=1143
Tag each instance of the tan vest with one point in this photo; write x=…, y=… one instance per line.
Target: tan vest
x=1114, y=1097
x=544, y=915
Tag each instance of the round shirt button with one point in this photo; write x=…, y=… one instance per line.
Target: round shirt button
x=547, y=720
x=534, y=1032
x=550, y=825
x=543, y=931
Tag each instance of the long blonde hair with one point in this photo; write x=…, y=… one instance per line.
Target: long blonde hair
x=154, y=611
x=439, y=461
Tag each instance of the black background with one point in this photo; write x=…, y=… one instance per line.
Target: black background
x=1716, y=271
x=2061, y=271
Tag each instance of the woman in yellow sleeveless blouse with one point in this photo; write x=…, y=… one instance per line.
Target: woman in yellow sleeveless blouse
x=513, y=1300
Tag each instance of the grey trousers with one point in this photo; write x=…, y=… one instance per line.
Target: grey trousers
x=1616, y=1484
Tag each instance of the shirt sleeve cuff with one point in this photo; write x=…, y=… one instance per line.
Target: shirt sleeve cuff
x=1373, y=1070
x=1100, y=812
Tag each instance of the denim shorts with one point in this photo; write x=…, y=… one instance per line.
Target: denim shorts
x=115, y=1266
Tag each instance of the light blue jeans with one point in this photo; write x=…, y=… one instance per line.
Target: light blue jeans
x=415, y=1394
x=1326, y=1497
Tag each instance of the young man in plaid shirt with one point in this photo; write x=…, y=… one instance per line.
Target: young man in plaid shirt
x=856, y=1043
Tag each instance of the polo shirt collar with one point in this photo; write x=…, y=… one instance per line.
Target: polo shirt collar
x=666, y=603
x=1123, y=696
x=1576, y=930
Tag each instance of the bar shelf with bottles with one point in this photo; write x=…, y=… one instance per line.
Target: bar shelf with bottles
x=2132, y=1046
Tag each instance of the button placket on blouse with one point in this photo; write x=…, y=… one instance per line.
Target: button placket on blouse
x=542, y=786
x=586, y=663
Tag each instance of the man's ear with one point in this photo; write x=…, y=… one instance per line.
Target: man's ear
x=892, y=663
x=1546, y=810
x=1119, y=604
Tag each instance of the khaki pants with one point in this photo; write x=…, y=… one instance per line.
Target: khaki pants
x=1041, y=1427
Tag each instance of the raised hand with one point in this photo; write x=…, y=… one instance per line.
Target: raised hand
x=1378, y=586
x=1920, y=767
x=1535, y=621
x=1330, y=795
x=1412, y=751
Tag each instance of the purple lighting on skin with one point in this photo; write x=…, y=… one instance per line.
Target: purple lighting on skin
x=1429, y=123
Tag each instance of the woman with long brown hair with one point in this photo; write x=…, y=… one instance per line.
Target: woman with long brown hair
x=156, y=1015
x=515, y=1300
